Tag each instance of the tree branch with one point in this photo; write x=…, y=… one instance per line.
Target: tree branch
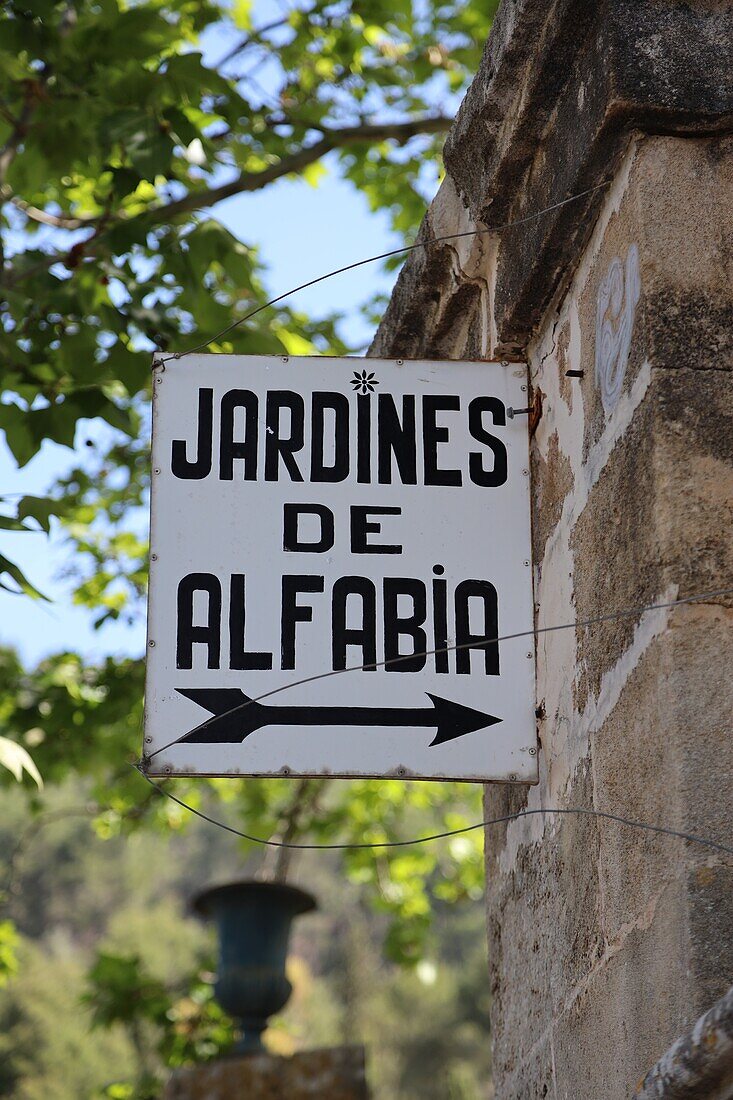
x=332, y=139
x=253, y=36
x=37, y=215
x=10, y=149
x=8, y=115
x=276, y=863
x=400, y=132
x=8, y=888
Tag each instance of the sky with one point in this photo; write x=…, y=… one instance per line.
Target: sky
x=302, y=232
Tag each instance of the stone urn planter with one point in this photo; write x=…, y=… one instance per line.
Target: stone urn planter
x=253, y=926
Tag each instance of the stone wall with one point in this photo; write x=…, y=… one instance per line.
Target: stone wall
x=605, y=943
x=623, y=938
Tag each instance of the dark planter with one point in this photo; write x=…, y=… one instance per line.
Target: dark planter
x=253, y=925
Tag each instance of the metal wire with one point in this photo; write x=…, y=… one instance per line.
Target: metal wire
x=662, y=829
x=609, y=616
x=581, y=811
x=159, y=360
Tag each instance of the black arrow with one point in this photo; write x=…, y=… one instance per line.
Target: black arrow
x=237, y=716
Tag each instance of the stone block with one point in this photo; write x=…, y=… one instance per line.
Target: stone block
x=629, y=1008
x=544, y=928
x=532, y=1076
x=330, y=1074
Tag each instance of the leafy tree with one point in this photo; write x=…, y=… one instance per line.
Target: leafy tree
x=43, y=1030
x=86, y=721
x=118, y=138
x=168, y=1028
x=8, y=951
x=104, y=934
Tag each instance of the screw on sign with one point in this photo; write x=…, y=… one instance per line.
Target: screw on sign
x=319, y=519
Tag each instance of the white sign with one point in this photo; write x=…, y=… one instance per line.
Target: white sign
x=316, y=516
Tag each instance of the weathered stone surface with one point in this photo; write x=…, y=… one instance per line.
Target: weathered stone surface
x=605, y=941
x=612, y=1023
x=589, y=921
x=438, y=304
x=650, y=65
x=561, y=87
x=634, y=505
x=333, y=1074
x=548, y=946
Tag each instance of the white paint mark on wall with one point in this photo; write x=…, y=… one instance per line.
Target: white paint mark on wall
x=618, y=295
x=579, y=729
x=602, y=449
x=650, y=626
x=563, y=426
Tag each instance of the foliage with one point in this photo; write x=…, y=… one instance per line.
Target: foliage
x=117, y=134
x=77, y=899
x=94, y=715
x=118, y=137
x=45, y=1048
x=80, y=699
x=8, y=951
x=184, y=1026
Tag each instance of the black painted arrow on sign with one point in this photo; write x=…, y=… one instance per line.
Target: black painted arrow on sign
x=237, y=716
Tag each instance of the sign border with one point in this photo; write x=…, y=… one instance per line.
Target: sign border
x=160, y=768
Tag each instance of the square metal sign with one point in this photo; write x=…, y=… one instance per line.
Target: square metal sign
x=335, y=546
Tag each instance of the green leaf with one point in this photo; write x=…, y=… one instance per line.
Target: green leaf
x=242, y=14
x=181, y=126
x=295, y=344
x=313, y=174
x=13, y=571
x=10, y=523
x=9, y=941
x=14, y=421
x=132, y=368
x=145, y=140
x=40, y=509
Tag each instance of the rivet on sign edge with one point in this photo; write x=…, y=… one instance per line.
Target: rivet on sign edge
x=532, y=752
x=400, y=362
x=523, y=389
x=154, y=557
x=151, y=643
x=529, y=655
x=512, y=778
x=525, y=472
x=524, y=563
x=158, y=381
x=148, y=740
x=167, y=769
x=156, y=471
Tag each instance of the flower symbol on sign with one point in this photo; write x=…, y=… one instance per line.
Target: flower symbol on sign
x=364, y=383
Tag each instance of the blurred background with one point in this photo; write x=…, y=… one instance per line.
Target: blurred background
x=166, y=167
